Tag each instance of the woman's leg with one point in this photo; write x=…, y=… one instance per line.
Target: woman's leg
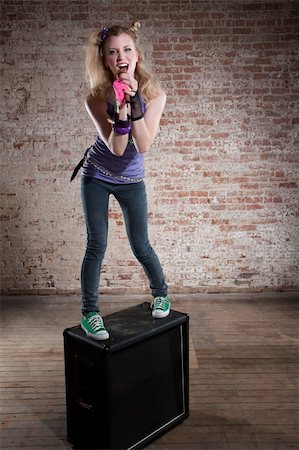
x=95, y=199
x=132, y=199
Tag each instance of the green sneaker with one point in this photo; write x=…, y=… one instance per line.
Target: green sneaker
x=160, y=307
x=93, y=326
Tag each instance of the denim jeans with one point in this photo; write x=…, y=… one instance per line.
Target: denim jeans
x=132, y=199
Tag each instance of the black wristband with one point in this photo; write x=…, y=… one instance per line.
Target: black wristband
x=121, y=123
x=121, y=127
x=136, y=108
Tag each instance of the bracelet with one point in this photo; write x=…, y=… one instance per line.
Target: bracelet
x=122, y=131
x=136, y=108
x=121, y=127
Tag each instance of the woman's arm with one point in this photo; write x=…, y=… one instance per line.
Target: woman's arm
x=144, y=130
x=97, y=109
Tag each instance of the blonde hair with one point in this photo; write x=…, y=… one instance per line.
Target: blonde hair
x=100, y=78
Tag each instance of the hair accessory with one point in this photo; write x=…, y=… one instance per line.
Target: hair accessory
x=103, y=34
x=135, y=27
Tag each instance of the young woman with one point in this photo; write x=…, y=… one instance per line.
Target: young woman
x=125, y=104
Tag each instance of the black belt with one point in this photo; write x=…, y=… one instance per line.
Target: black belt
x=78, y=166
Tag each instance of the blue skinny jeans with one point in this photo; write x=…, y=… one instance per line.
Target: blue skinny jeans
x=132, y=200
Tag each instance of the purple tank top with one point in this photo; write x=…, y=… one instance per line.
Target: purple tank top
x=102, y=164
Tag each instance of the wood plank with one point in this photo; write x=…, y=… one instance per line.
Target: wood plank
x=244, y=367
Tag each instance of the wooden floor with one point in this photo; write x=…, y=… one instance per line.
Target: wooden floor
x=244, y=371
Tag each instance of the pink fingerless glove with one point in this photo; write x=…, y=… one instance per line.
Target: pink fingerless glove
x=119, y=87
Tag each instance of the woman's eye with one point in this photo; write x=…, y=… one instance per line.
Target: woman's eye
x=128, y=49
x=111, y=52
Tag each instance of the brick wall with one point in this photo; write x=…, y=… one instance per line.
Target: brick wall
x=222, y=175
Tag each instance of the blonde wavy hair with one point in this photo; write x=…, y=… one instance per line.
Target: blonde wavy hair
x=100, y=78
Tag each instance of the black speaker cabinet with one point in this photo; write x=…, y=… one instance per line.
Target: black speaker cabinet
x=125, y=392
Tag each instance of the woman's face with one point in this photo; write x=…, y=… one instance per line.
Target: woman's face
x=120, y=54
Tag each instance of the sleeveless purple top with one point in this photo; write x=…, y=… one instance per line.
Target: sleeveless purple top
x=102, y=164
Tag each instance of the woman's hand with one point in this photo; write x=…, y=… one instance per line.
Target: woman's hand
x=125, y=86
x=130, y=81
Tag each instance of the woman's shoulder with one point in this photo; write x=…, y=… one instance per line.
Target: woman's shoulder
x=162, y=93
x=162, y=96
x=158, y=99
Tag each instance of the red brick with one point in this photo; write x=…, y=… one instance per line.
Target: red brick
x=221, y=174
x=291, y=185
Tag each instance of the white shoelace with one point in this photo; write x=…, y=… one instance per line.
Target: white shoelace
x=96, y=323
x=160, y=302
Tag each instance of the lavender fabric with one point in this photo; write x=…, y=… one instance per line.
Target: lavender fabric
x=130, y=164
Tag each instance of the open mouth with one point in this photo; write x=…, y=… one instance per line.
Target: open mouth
x=123, y=68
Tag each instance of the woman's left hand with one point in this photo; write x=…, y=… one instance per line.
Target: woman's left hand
x=130, y=81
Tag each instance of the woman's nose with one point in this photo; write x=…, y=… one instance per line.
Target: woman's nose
x=119, y=55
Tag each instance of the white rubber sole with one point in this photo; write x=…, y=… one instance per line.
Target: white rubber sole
x=102, y=336
x=160, y=314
